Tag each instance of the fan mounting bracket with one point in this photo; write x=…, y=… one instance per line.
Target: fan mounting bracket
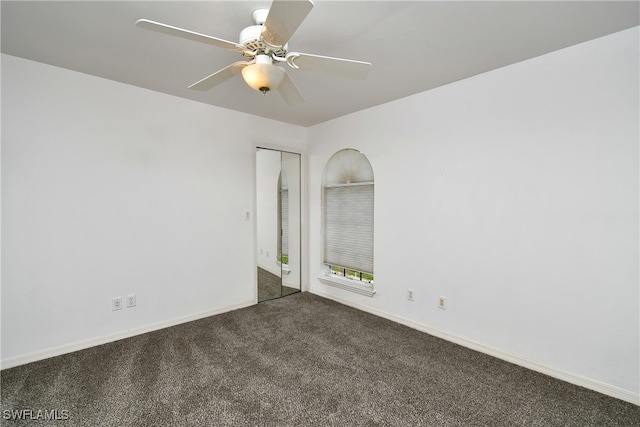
x=260, y=16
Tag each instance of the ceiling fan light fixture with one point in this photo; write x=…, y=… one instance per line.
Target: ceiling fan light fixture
x=264, y=45
x=263, y=76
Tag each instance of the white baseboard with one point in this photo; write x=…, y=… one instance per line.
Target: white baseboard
x=92, y=342
x=595, y=385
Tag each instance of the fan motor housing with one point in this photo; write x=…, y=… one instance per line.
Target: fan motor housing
x=251, y=38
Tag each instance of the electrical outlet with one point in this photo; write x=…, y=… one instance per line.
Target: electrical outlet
x=410, y=294
x=442, y=303
x=131, y=300
x=116, y=303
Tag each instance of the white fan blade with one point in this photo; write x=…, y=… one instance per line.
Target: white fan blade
x=340, y=67
x=219, y=76
x=283, y=20
x=289, y=91
x=186, y=34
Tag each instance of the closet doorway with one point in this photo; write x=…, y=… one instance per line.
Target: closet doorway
x=278, y=223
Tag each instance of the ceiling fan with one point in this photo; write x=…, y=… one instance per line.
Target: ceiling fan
x=265, y=44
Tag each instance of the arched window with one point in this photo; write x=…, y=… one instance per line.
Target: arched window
x=347, y=203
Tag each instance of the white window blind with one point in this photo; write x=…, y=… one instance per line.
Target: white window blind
x=348, y=226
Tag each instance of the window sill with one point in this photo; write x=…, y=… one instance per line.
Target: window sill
x=348, y=285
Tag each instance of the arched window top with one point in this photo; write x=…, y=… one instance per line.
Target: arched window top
x=283, y=184
x=347, y=210
x=348, y=166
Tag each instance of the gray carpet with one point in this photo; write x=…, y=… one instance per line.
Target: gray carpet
x=298, y=361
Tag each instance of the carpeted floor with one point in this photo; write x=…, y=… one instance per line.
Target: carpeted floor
x=270, y=287
x=298, y=361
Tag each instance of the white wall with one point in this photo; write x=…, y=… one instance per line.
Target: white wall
x=515, y=195
x=109, y=189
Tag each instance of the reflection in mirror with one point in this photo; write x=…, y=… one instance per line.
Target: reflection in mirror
x=283, y=197
x=290, y=222
x=278, y=223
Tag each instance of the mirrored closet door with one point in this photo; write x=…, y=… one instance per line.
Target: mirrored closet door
x=278, y=223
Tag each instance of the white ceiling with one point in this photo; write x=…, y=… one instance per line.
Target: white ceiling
x=414, y=46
